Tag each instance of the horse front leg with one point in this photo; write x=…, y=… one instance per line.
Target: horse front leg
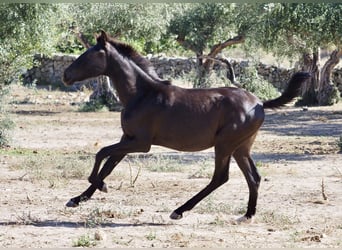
x=100, y=156
x=88, y=193
x=116, y=153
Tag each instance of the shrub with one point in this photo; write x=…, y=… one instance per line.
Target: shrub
x=5, y=123
x=251, y=81
x=93, y=106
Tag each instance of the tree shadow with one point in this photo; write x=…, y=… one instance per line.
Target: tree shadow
x=196, y=157
x=276, y=157
x=304, y=123
x=70, y=224
x=35, y=112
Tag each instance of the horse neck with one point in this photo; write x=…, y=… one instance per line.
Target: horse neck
x=129, y=80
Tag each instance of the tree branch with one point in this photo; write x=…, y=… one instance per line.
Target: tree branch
x=186, y=45
x=217, y=48
x=80, y=37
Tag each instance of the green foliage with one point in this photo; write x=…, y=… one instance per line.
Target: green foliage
x=5, y=123
x=291, y=28
x=93, y=106
x=251, y=81
x=84, y=241
x=199, y=26
x=99, y=104
x=141, y=24
x=25, y=29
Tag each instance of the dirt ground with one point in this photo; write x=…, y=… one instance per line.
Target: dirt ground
x=296, y=151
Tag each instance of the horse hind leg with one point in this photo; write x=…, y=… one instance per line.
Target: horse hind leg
x=221, y=175
x=253, y=178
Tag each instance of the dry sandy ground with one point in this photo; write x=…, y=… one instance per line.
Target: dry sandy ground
x=300, y=202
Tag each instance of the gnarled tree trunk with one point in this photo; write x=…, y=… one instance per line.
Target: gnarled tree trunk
x=106, y=94
x=206, y=66
x=320, y=90
x=205, y=63
x=310, y=62
x=327, y=93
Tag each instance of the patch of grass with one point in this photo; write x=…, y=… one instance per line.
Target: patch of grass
x=157, y=163
x=279, y=220
x=151, y=236
x=94, y=219
x=52, y=166
x=93, y=106
x=263, y=168
x=26, y=218
x=17, y=152
x=84, y=241
x=205, y=170
x=208, y=205
x=218, y=221
x=99, y=216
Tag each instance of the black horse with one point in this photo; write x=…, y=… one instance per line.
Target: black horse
x=159, y=113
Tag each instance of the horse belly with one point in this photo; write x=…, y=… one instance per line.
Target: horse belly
x=185, y=137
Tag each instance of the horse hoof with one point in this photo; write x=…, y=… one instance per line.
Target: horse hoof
x=71, y=204
x=244, y=220
x=104, y=188
x=175, y=216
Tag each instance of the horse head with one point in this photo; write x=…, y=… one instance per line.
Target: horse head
x=92, y=63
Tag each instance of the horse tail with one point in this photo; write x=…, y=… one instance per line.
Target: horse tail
x=292, y=91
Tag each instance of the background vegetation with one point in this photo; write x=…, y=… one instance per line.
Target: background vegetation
x=296, y=31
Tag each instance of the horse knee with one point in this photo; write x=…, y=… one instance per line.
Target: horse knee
x=100, y=155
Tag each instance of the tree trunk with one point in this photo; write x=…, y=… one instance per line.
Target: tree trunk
x=310, y=62
x=105, y=93
x=327, y=93
x=205, y=63
x=206, y=66
x=231, y=72
x=320, y=90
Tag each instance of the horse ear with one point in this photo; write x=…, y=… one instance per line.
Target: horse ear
x=102, y=38
x=104, y=35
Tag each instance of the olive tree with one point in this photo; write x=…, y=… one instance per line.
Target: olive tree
x=25, y=29
x=206, y=27
x=142, y=25
x=303, y=30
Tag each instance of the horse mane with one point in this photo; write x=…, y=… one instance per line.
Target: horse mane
x=128, y=51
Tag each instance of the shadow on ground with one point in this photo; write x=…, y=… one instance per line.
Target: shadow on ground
x=68, y=224
x=304, y=123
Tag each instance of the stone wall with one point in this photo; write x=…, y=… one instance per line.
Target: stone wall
x=50, y=70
